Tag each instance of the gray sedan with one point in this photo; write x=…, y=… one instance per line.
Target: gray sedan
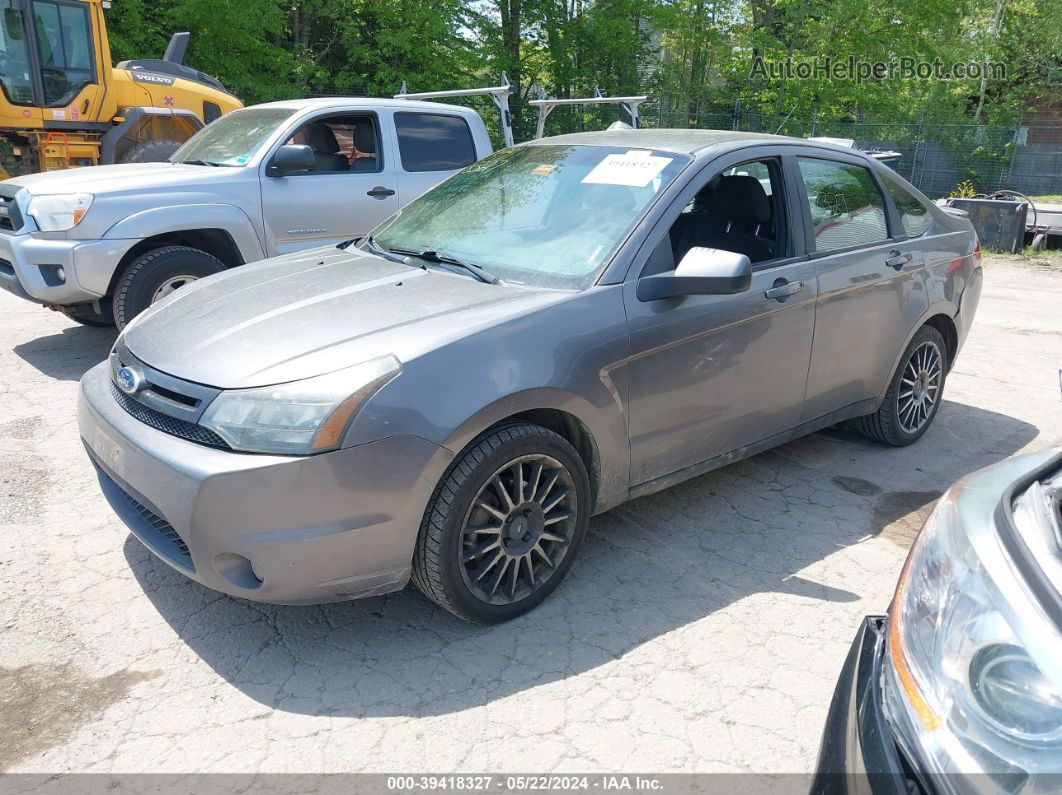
x=566, y=325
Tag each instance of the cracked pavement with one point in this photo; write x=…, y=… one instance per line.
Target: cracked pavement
x=702, y=629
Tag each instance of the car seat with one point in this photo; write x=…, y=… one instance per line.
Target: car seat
x=326, y=149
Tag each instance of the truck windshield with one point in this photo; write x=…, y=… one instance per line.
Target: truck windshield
x=548, y=216
x=232, y=140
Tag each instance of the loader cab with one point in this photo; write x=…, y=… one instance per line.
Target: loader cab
x=52, y=55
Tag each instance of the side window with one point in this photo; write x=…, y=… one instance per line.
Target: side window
x=846, y=206
x=914, y=215
x=341, y=143
x=434, y=142
x=65, y=46
x=15, y=74
x=739, y=209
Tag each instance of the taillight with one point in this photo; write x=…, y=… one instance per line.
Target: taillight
x=977, y=252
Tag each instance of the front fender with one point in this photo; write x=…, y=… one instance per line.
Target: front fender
x=186, y=217
x=567, y=353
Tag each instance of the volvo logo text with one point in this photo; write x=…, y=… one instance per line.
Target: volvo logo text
x=129, y=380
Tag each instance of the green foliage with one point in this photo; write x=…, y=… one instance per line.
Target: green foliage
x=695, y=57
x=964, y=190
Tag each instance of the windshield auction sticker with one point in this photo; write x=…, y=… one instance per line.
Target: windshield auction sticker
x=635, y=169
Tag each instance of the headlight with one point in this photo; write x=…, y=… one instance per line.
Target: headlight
x=299, y=418
x=971, y=682
x=59, y=212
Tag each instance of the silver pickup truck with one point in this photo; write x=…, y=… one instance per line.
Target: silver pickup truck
x=101, y=244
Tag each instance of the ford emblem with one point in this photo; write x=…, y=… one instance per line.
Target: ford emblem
x=129, y=380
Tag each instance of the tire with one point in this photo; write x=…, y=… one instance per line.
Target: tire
x=151, y=152
x=442, y=568
x=87, y=316
x=894, y=422
x=158, y=270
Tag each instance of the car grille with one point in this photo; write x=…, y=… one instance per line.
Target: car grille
x=167, y=424
x=162, y=532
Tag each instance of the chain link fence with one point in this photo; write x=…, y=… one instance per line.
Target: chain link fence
x=936, y=156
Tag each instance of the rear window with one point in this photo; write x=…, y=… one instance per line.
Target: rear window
x=434, y=142
x=914, y=215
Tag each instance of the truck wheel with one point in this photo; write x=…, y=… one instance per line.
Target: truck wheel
x=914, y=393
x=151, y=152
x=87, y=316
x=504, y=525
x=157, y=273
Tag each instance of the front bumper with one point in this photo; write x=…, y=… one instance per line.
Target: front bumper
x=858, y=753
x=28, y=263
x=280, y=529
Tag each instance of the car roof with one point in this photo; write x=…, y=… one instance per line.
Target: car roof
x=679, y=141
x=361, y=102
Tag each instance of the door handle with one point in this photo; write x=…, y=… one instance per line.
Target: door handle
x=380, y=192
x=897, y=260
x=85, y=107
x=783, y=290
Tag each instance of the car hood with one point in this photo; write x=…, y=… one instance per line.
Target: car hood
x=310, y=313
x=117, y=178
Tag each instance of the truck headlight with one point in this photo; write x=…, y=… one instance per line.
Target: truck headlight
x=298, y=418
x=971, y=679
x=58, y=212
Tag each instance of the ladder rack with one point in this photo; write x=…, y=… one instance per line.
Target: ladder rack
x=546, y=106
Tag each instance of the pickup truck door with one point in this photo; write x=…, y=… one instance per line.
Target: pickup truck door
x=431, y=146
x=350, y=190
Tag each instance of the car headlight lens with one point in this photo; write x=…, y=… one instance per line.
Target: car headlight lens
x=299, y=418
x=59, y=212
x=971, y=680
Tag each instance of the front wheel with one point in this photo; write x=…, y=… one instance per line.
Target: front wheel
x=915, y=392
x=151, y=152
x=504, y=525
x=155, y=274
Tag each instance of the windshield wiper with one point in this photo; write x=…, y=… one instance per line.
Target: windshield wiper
x=478, y=271
x=197, y=162
x=376, y=248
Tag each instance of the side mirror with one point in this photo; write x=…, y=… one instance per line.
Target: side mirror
x=291, y=158
x=703, y=271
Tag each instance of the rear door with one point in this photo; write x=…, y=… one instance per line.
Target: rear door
x=871, y=283
x=431, y=147
x=352, y=189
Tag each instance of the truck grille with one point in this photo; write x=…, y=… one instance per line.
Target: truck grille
x=167, y=424
x=10, y=215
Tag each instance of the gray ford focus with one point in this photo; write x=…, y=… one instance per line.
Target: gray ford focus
x=566, y=325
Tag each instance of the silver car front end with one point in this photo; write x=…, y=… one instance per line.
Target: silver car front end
x=972, y=675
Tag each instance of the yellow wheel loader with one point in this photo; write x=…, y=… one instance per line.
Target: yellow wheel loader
x=64, y=105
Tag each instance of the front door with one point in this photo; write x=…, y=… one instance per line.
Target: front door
x=351, y=189
x=711, y=374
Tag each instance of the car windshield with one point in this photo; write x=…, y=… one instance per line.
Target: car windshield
x=548, y=216
x=232, y=140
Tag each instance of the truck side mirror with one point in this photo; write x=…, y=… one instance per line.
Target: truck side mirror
x=291, y=158
x=702, y=271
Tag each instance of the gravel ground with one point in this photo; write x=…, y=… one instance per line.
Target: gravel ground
x=702, y=630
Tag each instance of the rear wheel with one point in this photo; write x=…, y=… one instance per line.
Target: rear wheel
x=155, y=274
x=504, y=526
x=151, y=152
x=914, y=394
